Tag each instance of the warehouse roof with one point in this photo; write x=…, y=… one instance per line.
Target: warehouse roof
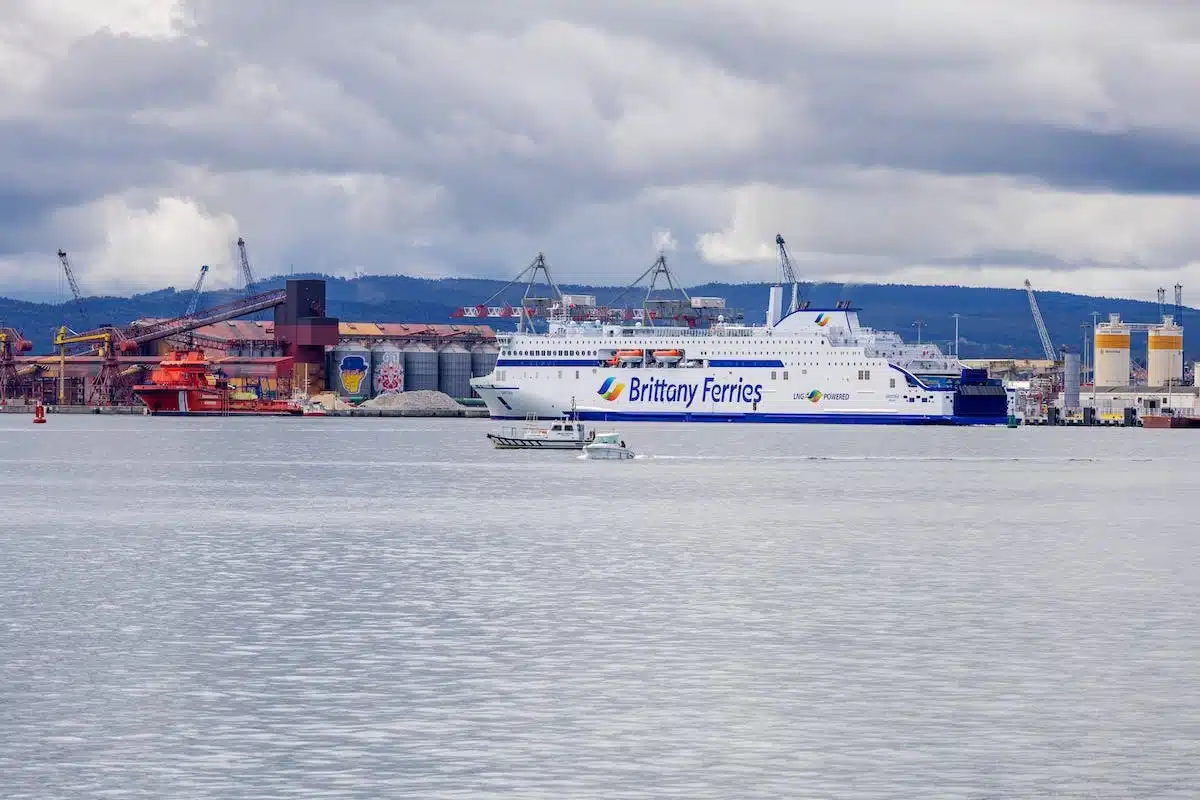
x=265, y=329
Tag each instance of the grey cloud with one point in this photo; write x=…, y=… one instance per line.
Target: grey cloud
x=504, y=128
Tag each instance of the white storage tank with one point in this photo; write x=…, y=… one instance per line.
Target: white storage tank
x=1164, y=354
x=1112, y=353
x=483, y=359
x=420, y=367
x=454, y=370
x=387, y=369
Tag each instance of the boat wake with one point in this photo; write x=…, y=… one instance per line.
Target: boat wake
x=916, y=459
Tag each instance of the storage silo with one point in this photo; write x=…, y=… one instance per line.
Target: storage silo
x=387, y=369
x=350, y=371
x=1112, y=352
x=420, y=367
x=1164, y=354
x=454, y=370
x=1070, y=379
x=483, y=359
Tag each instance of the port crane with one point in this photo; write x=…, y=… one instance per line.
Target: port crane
x=111, y=341
x=197, y=289
x=557, y=304
x=530, y=303
x=1044, y=334
x=788, y=275
x=74, y=284
x=11, y=343
x=247, y=275
x=652, y=309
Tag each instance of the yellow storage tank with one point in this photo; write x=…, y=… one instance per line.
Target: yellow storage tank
x=1164, y=350
x=1112, y=352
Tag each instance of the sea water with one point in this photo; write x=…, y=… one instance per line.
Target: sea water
x=375, y=608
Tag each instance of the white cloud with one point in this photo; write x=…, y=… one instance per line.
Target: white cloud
x=878, y=225
x=164, y=244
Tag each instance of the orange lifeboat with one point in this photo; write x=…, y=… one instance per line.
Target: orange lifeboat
x=629, y=355
x=668, y=356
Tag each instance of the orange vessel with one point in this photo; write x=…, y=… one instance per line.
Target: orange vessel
x=183, y=385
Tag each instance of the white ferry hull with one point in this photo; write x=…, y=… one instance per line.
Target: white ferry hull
x=659, y=395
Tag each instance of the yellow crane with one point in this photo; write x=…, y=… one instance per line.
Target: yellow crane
x=105, y=341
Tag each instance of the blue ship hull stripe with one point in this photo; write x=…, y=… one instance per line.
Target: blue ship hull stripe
x=826, y=419
x=595, y=362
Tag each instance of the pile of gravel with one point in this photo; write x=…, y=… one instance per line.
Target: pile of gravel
x=330, y=401
x=420, y=400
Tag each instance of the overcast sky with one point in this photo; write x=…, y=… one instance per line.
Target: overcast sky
x=930, y=141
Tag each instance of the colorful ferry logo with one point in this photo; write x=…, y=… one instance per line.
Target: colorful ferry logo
x=609, y=391
x=815, y=395
x=822, y=320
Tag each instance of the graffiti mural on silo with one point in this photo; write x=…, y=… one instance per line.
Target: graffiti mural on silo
x=350, y=370
x=387, y=369
x=454, y=370
x=420, y=367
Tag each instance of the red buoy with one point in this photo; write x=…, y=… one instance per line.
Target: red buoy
x=39, y=413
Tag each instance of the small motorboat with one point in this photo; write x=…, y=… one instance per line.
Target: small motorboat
x=567, y=434
x=608, y=446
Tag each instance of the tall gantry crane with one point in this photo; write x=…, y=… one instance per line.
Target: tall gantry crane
x=109, y=341
x=197, y=290
x=788, y=275
x=1044, y=334
x=247, y=275
x=70, y=273
x=659, y=308
x=531, y=305
x=11, y=343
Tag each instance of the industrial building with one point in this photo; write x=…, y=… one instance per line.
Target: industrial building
x=369, y=358
x=300, y=349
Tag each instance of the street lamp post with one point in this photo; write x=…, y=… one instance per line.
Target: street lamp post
x=918, y=325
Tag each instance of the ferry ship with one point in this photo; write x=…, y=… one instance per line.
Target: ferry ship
x=805, y=365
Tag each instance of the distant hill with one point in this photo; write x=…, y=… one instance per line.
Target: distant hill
x=994, y=322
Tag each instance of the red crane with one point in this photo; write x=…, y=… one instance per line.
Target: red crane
x=11, y=343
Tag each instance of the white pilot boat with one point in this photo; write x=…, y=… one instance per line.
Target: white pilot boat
x=608, y=446
x=565, y=434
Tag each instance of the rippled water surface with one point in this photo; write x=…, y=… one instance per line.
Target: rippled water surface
x=388, y=608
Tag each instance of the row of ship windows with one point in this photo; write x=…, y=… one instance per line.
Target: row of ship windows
x=863, y=375
x=568, y=353
x=552, y=353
